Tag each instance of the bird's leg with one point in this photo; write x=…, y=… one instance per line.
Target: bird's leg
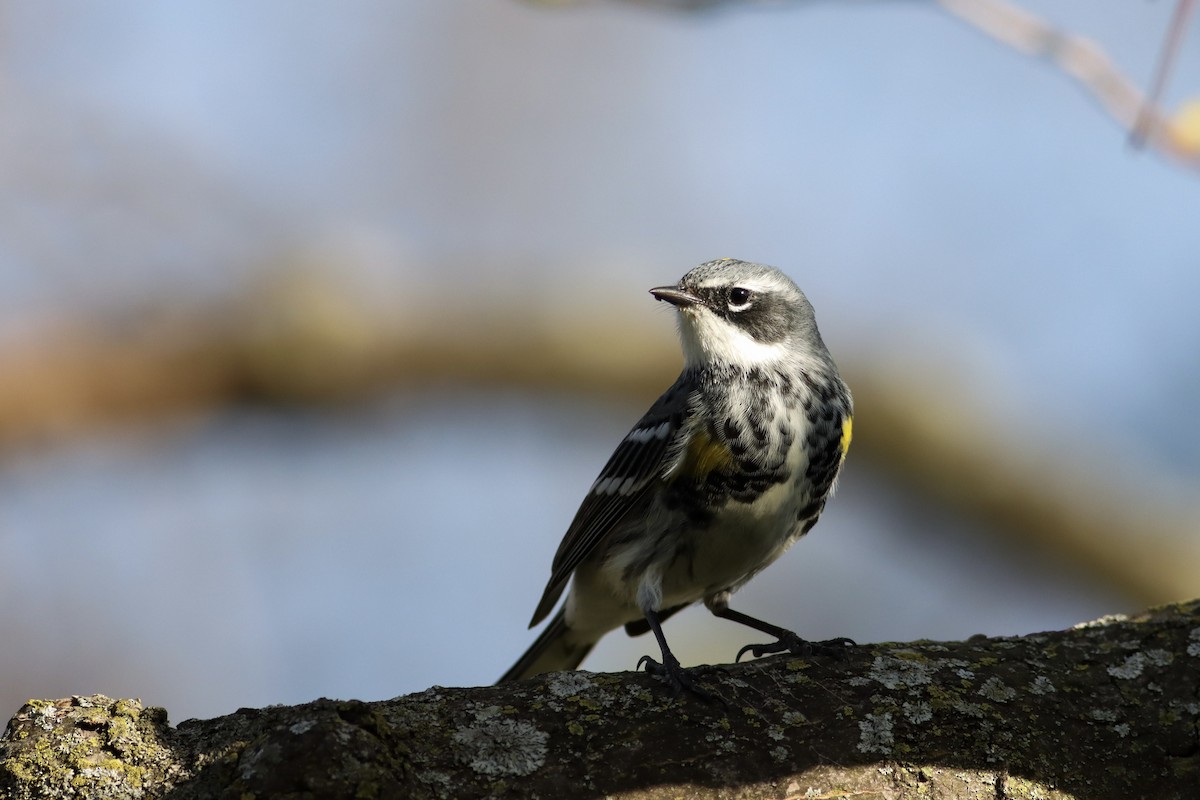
x=786, y=641
x=669, y=670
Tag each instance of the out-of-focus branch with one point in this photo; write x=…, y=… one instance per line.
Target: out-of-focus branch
x=1176, y=136
x=304, y=344
x=1086, y=62
x=1166, y=62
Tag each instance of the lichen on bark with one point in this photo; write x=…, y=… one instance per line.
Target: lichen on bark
x=1104, y=710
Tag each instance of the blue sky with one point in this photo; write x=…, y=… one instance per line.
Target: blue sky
x=948, y=205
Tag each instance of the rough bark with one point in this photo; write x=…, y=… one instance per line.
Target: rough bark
x=1109, y=709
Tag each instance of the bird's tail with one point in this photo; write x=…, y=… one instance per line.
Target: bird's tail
x=557, y=648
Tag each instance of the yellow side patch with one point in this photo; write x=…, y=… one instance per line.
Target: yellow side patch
x=704, y=455
x=847, y=435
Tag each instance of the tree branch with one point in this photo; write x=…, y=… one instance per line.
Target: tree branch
x=1105, y=710
x=308, y=342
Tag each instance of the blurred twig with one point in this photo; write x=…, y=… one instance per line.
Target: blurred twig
x=1166, y=62
x=1176, y=136
x=301, y=345
x=1086, y=62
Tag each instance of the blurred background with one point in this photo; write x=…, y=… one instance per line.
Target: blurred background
x=316, y=324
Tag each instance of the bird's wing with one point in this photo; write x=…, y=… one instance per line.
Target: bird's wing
x=641, y=459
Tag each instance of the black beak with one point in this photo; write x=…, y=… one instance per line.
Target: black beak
x=675, y=296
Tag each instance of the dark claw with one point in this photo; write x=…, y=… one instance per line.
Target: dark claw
x=673, y=675
x=793, y=644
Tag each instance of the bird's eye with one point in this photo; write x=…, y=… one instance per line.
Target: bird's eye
x=739, y=298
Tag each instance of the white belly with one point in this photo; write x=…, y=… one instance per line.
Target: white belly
x=742, y=540
x=690, y=563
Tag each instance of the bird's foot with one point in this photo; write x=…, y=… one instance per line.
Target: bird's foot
x=793, y=644
x=675, y=676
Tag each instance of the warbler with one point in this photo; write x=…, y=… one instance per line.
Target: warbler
x=724, y=473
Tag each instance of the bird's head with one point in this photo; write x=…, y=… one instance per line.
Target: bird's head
x=734, y=313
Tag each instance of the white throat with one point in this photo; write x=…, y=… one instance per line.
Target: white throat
x=708, y=339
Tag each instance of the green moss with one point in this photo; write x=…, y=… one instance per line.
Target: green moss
x=126, y=708
x=588, y=703
x=96, y=746
x=121, y=729
x=368, y=790
x=942, y=697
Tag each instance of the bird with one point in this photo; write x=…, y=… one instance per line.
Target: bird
x=729, y=467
